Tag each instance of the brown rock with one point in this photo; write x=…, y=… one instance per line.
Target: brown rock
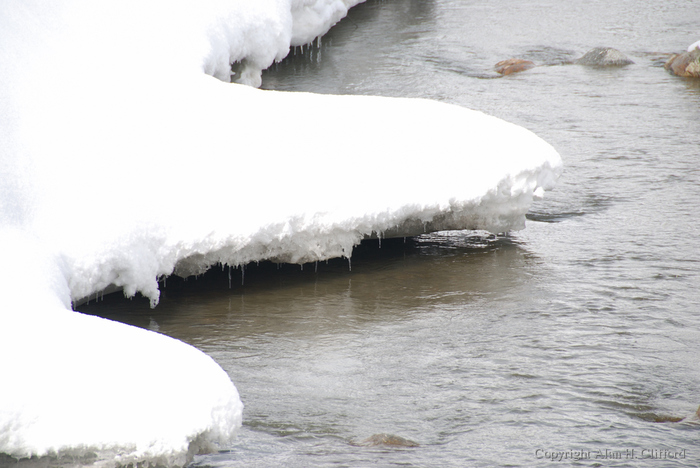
x=513, y=65
x=665, y=418
x=388, y=439
x=669, y=62
x=686, y=64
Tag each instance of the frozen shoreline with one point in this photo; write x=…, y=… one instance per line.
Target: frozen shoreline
x=201, y=172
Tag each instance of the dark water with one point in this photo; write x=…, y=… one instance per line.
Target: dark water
x=580, y=334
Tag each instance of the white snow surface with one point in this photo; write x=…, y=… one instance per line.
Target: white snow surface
x=124, y=159
x=694, y=45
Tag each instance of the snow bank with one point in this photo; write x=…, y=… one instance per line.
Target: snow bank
x=124, y=159
x=78, y=385
x=86, y=387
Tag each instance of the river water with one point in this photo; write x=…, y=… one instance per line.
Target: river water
x=578, y=337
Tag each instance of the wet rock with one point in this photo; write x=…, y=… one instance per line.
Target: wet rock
x=686, y=64
x=513, y=65
x=387, y=440
x=604, y=57
x=664, y=418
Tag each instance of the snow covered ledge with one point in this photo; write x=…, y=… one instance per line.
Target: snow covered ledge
x=343, y=168
x=129, y=161
x=82, y=389
x=283, y=23
x=109, y=394
x=300, y=177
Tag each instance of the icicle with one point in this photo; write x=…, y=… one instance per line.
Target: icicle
x=302, y=267
x=242, y=274
x=316, y=266
x=349, y=264
x=318, y=41
x=379, y=237
x=229, y=277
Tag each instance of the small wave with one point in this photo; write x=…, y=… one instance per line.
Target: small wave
x=553, y=217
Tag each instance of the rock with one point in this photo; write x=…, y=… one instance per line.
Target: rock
x=663, y=418
x=513, y=65
x=686, y=64
x=388, y=440
x=604, y=57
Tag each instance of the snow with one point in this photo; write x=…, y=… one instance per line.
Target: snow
x=85, y=384
x=694, y=45
x=126, y=155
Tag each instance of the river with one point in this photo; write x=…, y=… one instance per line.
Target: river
x=576, y=338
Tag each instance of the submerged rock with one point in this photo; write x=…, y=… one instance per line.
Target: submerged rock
x=664, y=418
x=686, y=64
x=388, y=440
x=513, y=65
x=604, y=57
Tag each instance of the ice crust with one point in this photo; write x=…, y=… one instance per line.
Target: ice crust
x=126, y=155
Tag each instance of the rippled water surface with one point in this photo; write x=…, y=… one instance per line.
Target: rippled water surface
x=580, y=333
